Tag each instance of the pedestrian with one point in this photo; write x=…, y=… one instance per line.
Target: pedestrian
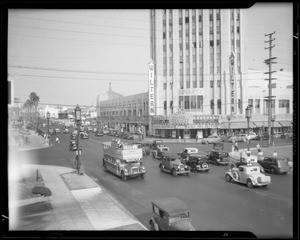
x=236, y=148
x=258, y=148
x=274, y=154
x=57, y=140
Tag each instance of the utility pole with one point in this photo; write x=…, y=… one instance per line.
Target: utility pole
x=269, y=63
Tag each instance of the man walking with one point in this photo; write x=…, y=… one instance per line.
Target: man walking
x=236, y=148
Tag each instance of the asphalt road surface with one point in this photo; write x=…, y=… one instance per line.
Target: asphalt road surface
x=215, y=204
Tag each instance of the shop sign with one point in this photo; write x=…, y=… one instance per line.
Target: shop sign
x=232, y=82
x=151, y=89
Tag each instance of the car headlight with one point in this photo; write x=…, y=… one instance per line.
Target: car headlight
x=126, y=170
x=218, y=160
x=178, y=167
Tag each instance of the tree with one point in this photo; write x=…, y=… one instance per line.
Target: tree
x=34, y=99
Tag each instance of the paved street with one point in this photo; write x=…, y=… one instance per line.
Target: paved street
x=215, y=204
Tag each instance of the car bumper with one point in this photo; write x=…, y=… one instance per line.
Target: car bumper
x=179, y=172
x=134, y=174
x=222, y=162
x=199, y=168
x=261, y=184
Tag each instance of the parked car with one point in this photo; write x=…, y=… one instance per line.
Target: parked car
x=218, y=157
x=145, y=146
x=211, y=139
x=84, y=135
x=288, y=134
x=238, y=138
x=57, y=130
x=159, y=151
x=66, y=130
x=155, y=143
x=51, y=131
x=127, y=136
x=171, y=163
x=274, y=165
x=99, y=133
x=170, y=214
x=251, y=135
x=72, y=145
x=249, y=175
x=186, y=152
x=197, y=162
x=105, y=131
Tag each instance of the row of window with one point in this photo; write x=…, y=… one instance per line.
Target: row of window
x=134, y=113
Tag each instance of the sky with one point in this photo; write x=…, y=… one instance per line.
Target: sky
x=69, y=57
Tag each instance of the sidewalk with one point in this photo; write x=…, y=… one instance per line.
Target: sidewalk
x=76, y=202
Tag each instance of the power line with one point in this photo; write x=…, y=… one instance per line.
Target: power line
x=81, y=32
x=86, y=24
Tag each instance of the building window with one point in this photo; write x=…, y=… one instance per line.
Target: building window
x=186, y=102
x=212, y=106
x=219, y=106
x=200, y=18
x=257, y=106
x=180, y=102
x=165, y=105
x=219, y=83
x=211, y=83
x=211, y=43
x=284, y=103
x=238, y=29
x=200, y=102
x=193, y=102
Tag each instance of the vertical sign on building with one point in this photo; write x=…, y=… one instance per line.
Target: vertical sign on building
x=151, y=89
x=232, y=85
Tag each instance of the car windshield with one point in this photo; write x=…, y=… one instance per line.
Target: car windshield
x=178, y=217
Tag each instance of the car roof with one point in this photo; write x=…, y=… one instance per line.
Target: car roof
x=171, y=205
x=198, y=155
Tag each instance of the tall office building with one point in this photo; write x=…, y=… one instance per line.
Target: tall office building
x=200, y=62
x=199, y=57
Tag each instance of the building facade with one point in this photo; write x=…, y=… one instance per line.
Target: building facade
x=128, y=113
x=201, y=73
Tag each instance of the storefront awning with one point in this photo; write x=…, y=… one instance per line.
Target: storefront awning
x=239, y=125
x=260, y=124
x=286, y=124
x=276, y=124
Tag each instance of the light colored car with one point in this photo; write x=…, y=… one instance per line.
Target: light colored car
x=249, y=175
x=251, y=135
x=238, y=138
x=211, y=139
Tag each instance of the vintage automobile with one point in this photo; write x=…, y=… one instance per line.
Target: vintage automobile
x=66, y=130
x=187, y=151
x=72, y=145
x=155, y=143
x=84, y=135
x=197, y=162
x=51, y=131
x=170, y=214
x=211, y=139
x=57, y=130
x=171, y=163
x=249, y=175
x=99, y=133
x=159, y=151
x=127, y=136
x=218, y=157
x=145, y=146
x=238, y=138
x=274, y=165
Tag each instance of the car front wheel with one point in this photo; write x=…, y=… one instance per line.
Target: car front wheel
x=228, y=177
x=174, y=173
x=161, y=167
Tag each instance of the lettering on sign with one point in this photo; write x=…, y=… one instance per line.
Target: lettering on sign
x=151, y=90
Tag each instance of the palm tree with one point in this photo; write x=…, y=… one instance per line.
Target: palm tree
x=34, y=99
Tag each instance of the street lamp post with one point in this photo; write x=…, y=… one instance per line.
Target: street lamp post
x=48, y=117
x=248, y=116
x=78, y=151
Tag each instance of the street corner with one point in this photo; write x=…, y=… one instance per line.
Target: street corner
x=74, y=181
